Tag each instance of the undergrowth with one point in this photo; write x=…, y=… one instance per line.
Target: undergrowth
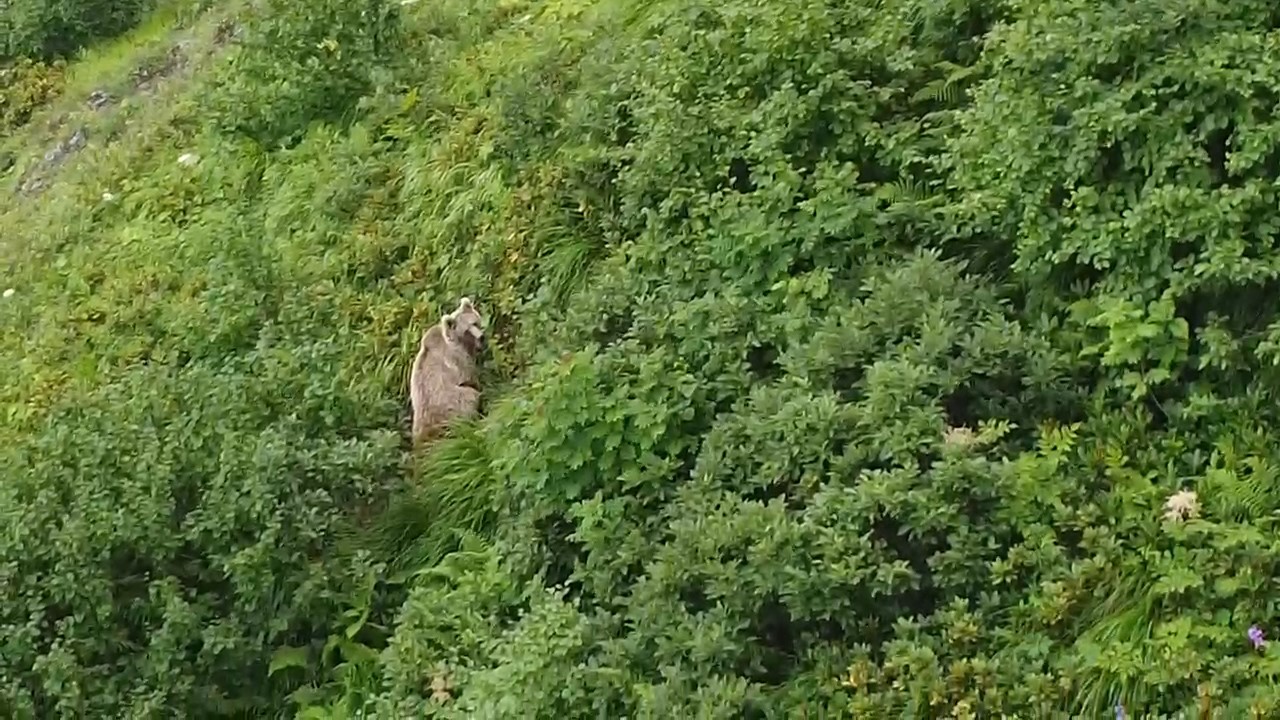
x=898, y=359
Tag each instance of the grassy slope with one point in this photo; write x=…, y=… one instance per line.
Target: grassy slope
x=683, y=205
x=221, y=348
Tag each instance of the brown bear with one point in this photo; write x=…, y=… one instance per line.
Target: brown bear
x=442, y=382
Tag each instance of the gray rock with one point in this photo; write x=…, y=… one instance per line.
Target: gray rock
x=35, y=181
x=99, y=99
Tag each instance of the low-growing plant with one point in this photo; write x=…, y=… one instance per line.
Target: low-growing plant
x=904, y=359
x=25, y=86
x=48, y=29
x=450, y=494
x=299, y=64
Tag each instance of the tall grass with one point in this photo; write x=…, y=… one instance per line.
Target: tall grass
x=449, y=496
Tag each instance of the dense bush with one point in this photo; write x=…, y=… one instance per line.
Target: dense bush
x=172, y=494
x=1126, y=155
x=764, y=468
x=898, y=359
x=300, y=63
x=56, y=28
x=25, y=86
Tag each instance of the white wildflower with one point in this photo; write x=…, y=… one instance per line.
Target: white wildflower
x=9, y=293
x=1182, y=505
x=959, y=437
x=441, y=687
x=108, y=197
x=188, y=159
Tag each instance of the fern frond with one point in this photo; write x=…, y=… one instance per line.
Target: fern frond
x=1241, y=497
x=901, y=191
x=949, y=88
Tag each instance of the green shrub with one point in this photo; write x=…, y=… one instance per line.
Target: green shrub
x=49, y=29
x=302, y=63
x=847, y=359
x=25, y=85
x=761, y=466
x=183, y=444
x=728, y=553
x=151, y=555
x=1124, y=158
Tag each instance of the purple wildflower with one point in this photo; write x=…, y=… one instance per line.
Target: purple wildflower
x=1256, y=637
x=1120, y=713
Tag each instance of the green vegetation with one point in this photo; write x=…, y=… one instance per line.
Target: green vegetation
x=55, y=28
x=854, y=360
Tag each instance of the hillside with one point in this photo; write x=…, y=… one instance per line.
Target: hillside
x=906, y=358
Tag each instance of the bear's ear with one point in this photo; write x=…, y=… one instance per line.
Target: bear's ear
x=446, y=324
x=464, y=304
